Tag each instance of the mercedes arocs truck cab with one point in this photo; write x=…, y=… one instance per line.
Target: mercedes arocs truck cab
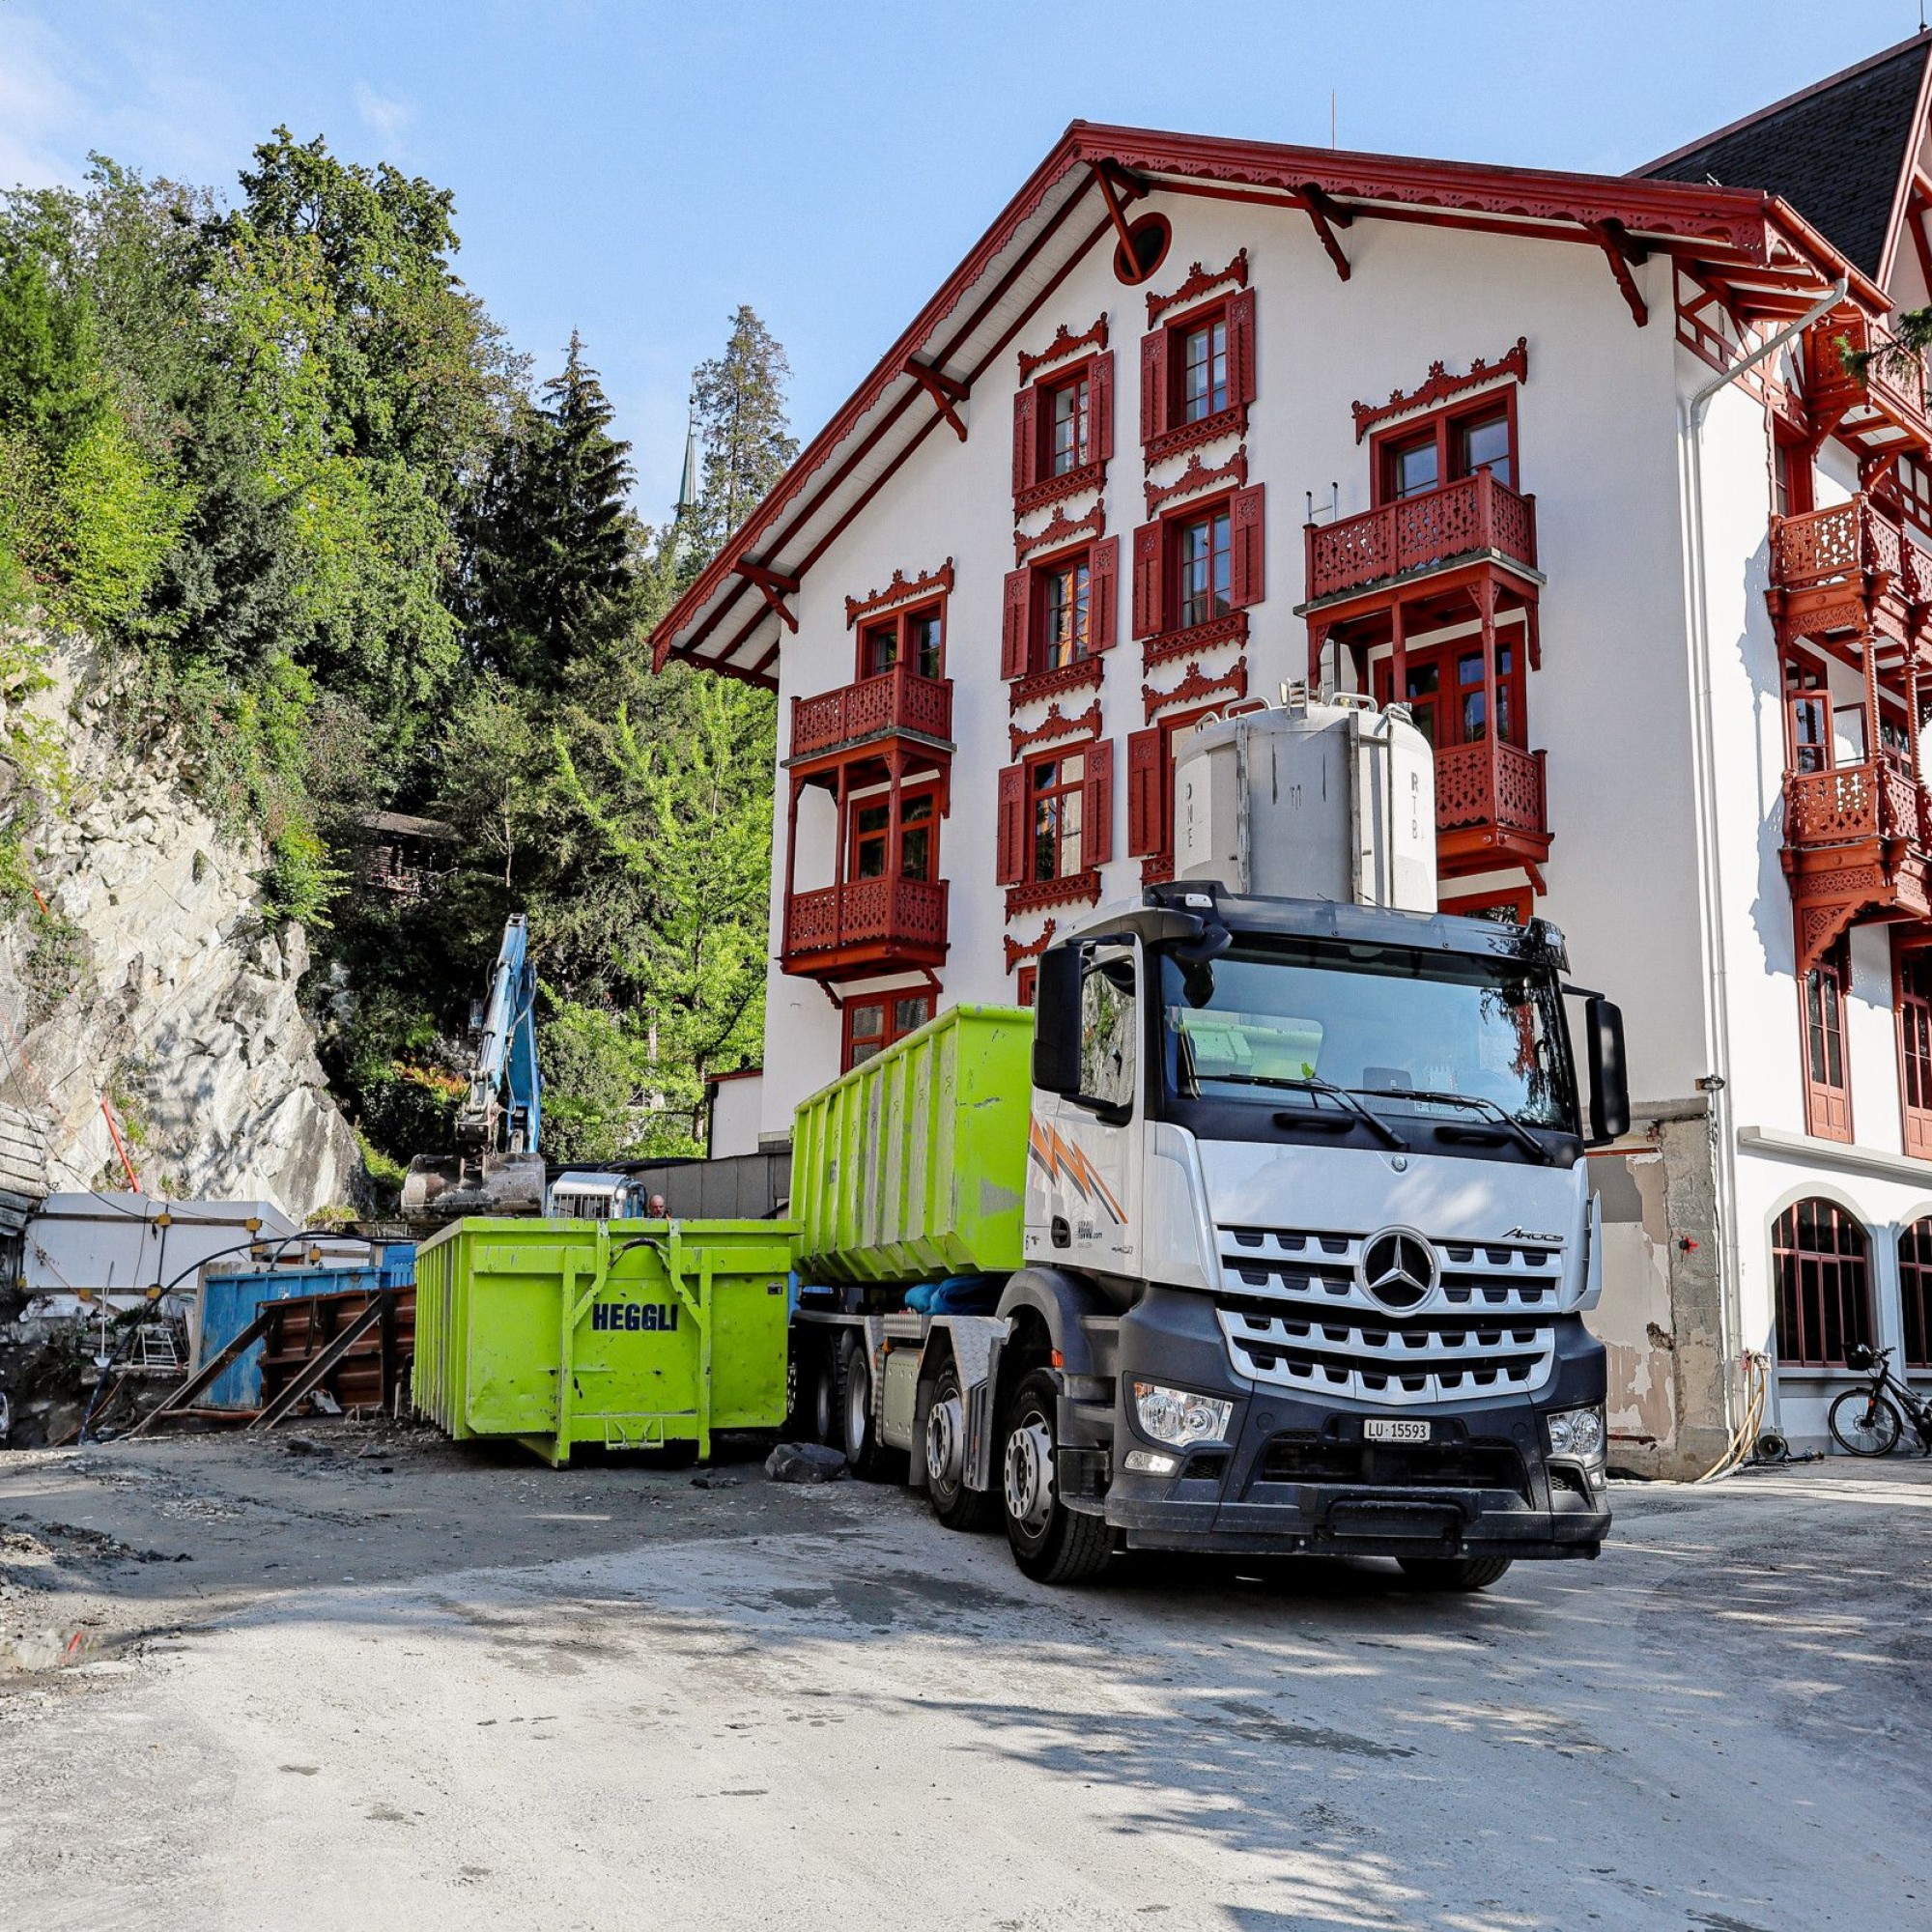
x=1307, y=1236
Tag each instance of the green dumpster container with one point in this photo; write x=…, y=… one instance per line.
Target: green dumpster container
x=633, y=1334
x=913, y=1165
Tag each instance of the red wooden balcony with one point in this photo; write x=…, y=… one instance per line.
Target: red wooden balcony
x=865, y=925
x=895, y=701
x=1473, y=517
x=1847, y=570
x=1856, y=839
x=1883, y=409
x=1490, y=808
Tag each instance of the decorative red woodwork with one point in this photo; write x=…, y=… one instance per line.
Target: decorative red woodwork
x=1161, y=436
x=1470, y=516
x=1247, y=563
x=1063, y=345
x=1197, y=476
x=1326, y=215
x=1149, y=577
x=1017, y=950
x=865, y=925
x=900, y=590
x=1010, y=856
x=1439, y=386
x=1103, y=566
x=1846, y=571
x=1016, y=622
x=1620, y=251
x=1026, y=440
x=896, y=700
x=948, y=392
x=1096, y=817
x=773, y=586
x=1855, y=850
x=1081, y=674
x=1490, y=808
x=1075, y=889
x=1147, y=792
x=1056, y=724
x=1873, y=410
x=1197, y=283
x=1196, y=686
x=1060, y=530
x=1233, y=628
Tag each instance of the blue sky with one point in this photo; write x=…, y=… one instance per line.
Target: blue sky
x=637, y=171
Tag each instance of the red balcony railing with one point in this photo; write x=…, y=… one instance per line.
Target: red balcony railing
x=898, y=699
x=1844, y=544
x=1491, y=784
x=1852, y=804
x=1463, y=518
x=871, y=921
x=1894, y=381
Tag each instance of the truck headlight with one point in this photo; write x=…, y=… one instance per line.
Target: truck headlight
x=1176, y=1416
x=1576, y=1431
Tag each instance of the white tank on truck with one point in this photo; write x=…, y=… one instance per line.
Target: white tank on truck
x=1324, y=800
x=1295, y=1256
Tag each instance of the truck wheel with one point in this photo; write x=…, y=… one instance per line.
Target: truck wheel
x=1453, y=1572
x=824, y=1417
x=956, y=1505
x=856, y=1435
x=1051, y=1543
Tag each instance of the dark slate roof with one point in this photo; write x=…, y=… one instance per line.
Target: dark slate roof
x=1834, y=152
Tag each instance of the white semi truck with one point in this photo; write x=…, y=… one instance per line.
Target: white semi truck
x=1307, y=1234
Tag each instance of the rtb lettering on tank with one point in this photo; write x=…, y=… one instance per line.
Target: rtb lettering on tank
x=655, y=1317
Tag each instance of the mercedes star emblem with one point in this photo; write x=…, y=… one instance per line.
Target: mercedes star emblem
x=1398, y=1268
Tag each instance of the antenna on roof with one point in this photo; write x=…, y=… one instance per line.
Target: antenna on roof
x=1331, y=94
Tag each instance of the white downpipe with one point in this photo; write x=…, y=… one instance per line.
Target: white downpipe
x=1690, y=413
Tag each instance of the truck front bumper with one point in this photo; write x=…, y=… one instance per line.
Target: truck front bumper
x=1296, y=1476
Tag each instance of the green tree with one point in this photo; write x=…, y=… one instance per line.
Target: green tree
x=747, y=442
x=548, y=571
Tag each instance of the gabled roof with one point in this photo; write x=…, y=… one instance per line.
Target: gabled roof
x=1842, y=152
x=1764, y=257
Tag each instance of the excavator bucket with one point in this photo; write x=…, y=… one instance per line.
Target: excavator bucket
x=448, y=1189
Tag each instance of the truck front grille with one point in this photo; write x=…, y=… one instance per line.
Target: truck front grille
x=1417, y=1466
x=1295, y=1315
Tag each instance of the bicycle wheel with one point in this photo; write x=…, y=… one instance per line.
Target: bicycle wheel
x=1864, y=1423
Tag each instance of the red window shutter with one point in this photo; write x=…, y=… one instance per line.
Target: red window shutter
x=1103, y=564
x=1247, y=536
x=1010, y=866
x=1154, y=384
x=1147, y=801
x=1014, y=624
x=1096, y=813
x=1241, y=346
x=1026, y=438
x=1100, y=405
x=1149, y=601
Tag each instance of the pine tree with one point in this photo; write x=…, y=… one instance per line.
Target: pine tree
x=747, y=444
x=550, y=544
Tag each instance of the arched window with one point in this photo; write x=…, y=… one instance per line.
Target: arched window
x=1915, y=1289
x=1818, y=1261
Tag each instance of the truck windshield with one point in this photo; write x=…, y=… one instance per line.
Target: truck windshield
x=1416, y=1034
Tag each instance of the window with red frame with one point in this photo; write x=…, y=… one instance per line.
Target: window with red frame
x=1915, y=1292
x=1420, y=457
x=1915, y=1053
x=1201, y=563
x=1026, y=986
x=1151, y=784
x=914, y=637
x=1055, y=813
x=1197, y=375
x=1062, y=424
x=871, y=833
x=1061, y=611
x=1827, y=1075
x=1443, y=687
x=874, y=1025
x=1821, y=1277
x=1790, y=476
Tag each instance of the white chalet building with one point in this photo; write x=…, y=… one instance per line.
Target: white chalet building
x=1200, y=416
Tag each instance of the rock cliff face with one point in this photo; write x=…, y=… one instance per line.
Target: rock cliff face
x=153, y=979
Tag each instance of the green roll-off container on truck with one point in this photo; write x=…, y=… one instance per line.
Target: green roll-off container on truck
x=628, y=1334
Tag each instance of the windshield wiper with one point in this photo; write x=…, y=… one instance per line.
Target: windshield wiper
x=1481, y=1103
x=1314, y=1084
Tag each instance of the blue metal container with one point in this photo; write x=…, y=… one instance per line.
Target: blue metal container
x=231, y=1297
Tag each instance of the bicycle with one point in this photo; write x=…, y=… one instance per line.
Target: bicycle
x=1866, y=1421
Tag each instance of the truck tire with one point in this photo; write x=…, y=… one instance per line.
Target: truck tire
x=1453, y=1572
x=855, y=1431
x=956, y=1505
x=824, y=1413
x=1051, y=1543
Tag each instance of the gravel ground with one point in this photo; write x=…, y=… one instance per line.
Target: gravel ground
x=399, y=1683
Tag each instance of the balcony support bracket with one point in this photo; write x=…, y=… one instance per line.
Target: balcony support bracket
x=1326, y=215
x=1620, y=251
x=947, y=392
x=773, y=586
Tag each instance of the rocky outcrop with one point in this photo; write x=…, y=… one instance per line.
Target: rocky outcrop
x=152, y=979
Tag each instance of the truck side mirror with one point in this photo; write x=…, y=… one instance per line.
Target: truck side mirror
x=1610, y=1078
x=1056, y=1021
